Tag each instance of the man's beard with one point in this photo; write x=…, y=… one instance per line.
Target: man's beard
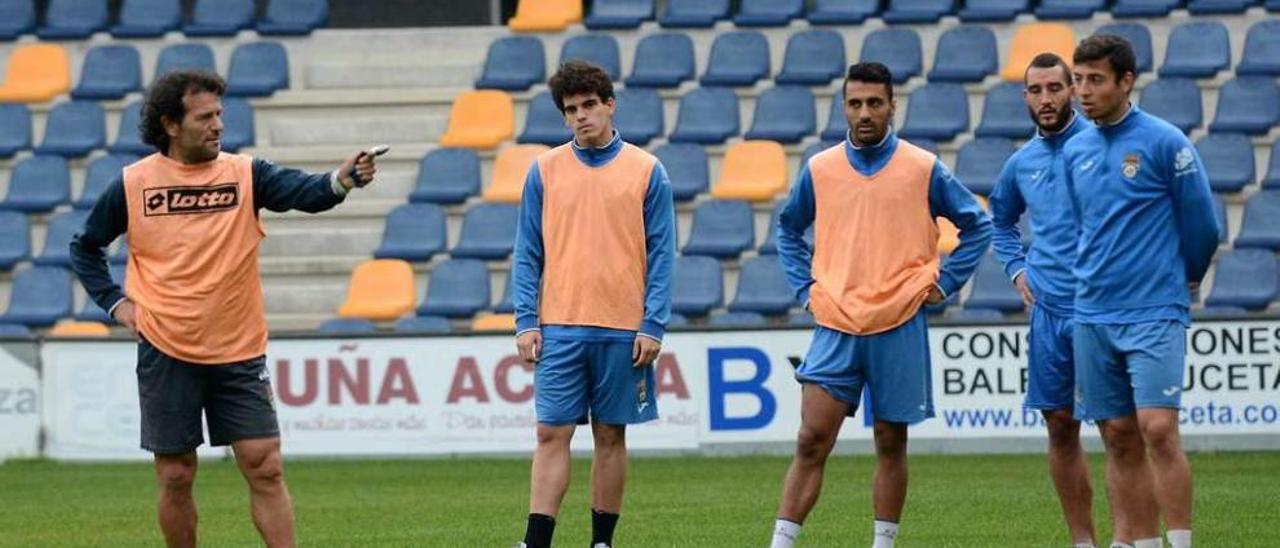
x=1064, y=117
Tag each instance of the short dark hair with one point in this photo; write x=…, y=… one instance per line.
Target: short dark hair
x=871, y=73
x=164, y=100
x=1050, y=60
x=578, y=77
x=1115, y=49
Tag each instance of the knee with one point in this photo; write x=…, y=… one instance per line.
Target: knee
x=1123, y=441
x=1162, y=440
x=609, y=439
x=813, y=445
x=265, y=471
x=1064, y=435
x=891, y=442
x=176, y=477
x=553, y=435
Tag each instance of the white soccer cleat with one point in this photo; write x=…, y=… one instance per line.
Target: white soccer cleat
x=521, y=545
x=600, y=545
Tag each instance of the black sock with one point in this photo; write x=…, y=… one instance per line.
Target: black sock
x=602, y=524
x=538, y=533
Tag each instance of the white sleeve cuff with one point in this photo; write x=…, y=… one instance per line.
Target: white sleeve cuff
x=648, y=336
x=941, y=290
x=111, y=312
x=1020, y=272
x=518, y=333
x=336, y=184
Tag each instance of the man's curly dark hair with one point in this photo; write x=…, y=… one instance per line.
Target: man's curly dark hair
x=164, y=100
x=579, y=77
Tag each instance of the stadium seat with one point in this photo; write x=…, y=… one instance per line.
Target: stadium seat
x=17, y=17
x=992, y=289
x=837, y=125
x=57, y=239
x=73, y=129
x=639, y=115
x=219, y=18
x=543, y=123
x=1260, y=226
x=814, y=57
x=39, y=297
x=79, y=329
x=1215, y=7
x=1004, y=113
x=545, y=15
x=815, y=148
x=91, y=312
x=15, y=239
x=784, y=114
x=977, y=315
x=494, y=323
x=752, y=170
x=978, y=163
x=1272, y=178
x=721, y=229
x=686, y=165
x=514, y=63
x=1244, y=278
x=147, y=18
x=662, y=60
x=993, y=11
x=293, y=17
x=73, y=19
x=1033, y=39
x=457, y=288
x=35, y=73
x=965, y=54
x=600, y=49
x=339, y=326
x=770, y=245
x=15, y=129
x=802, y=319
x=488, y=232
x=1143, y=8
x=937, y=111
x=948, y=235
x=237, y=124
x=109, y=72
x=618, y=14
x=258, y=70
x=38, y=184
x=1217, y=312
x=1220, y=214
x=897, y=48
x=1261, y=50
x=414, y=232
x=739, y=320
x=1138, y=36
x=480, y=119
x=708, y=116
x=674, y=322
x=767, y=13
x=698, y=286
x=842, y=12
x=100, y=172
x=1228, y=161
x=14, y=330
x=188, y=56
x=423, y=324
x=1176, y=100
x=738, y=58
x=379, y=290
x=693, y=13
x=762, y=288
x=447, y=176
x=917, y=11
x=1068, y=9
x=509, y=172
x=507, y=304
x=1196, y=50
x=1247, y=104
x=1273, y=6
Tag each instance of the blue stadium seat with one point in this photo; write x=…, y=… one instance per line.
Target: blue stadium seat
x=738, y=319
x=57, y=239
x=447, y=176
x=1004, y=113
x=917, y=11
x=1217, y=312
x=837, y=125
x=965, y=54
x=1068, y=9
x=457, y=288
x=1228, y=161
x=1176, y=100
x=693, y=13
x=15, y=238
x=784, y=114
x=147, y=18
x=1247, y=104
x=344, y=326
x=14, y=330
x=813, y=58
x=1261, y=50
x=514, y=63
x=1272, y=178
x=992, y=288
x=721, y=229
x=708, y=116
x=73, y=129
x=293, y=17
x=488, y=232
x=1196, y=50
x=109, y=72
x=974, y=315
x=258, y=70
x=842, y=12
x=507, y=304
x=17, y=17
x=898, y=49
x=1244, y=278
x=1138, y=36
x=15, y=128
x=600, y=49
x=1143, y=8
x=762, y=288
x=738, y=58
x=1261, y=224
x=662, y=60
x=770, y=245
x=674, y=321
x=543, y=123
x=1273, y=6
x=100, y=172
x=698, y=286
x=639, y=115
x=815, y=148
x=1220, y=214
x=618, y=14
x=91, y=312
x=978, y=163
x=219, y=18
x=1215, y=7
x=414, y=232
x=39, y=297
x=802, y=319
x=938, y=111
x=38, y=184
x=686, y=165
x=767, y=13
x=186, y=56
x=237, y=124
x=993, y=11
x=73, y=19
x=423, y=324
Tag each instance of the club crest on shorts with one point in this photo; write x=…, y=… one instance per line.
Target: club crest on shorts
x=1132, y=162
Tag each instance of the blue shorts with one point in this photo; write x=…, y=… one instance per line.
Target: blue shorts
x=894, y=366
x=576, y=377
x=1052, y=369
x=1125, y=367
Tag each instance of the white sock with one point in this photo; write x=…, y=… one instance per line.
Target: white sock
x=1085, y=545
x=1149, y=543
x=1180, y=538
x=886, y=531
x=1118, y=544
x=785, y=533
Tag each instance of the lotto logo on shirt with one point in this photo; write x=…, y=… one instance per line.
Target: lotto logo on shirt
x=184, y=200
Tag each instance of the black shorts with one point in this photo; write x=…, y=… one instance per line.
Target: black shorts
x=235, y=399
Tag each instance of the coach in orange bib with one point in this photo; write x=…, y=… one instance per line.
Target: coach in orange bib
x=193, y=295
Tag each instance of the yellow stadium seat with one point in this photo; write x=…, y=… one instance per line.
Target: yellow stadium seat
x=80, y=329
x=509, y=172
x=505, y=323
x=381, y=289
x=948, y=234
x=752, y=170
x=480, y=119
x=545, y=15
x=1033, y=39
x=36, y=73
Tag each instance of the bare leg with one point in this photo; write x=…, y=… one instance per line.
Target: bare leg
x=263, y=469
x=175, y=505
x=608, y=467
x=550, y=475
x=820, y=419
x=890, y=493
x=1070, y=473
x=1172, y=471
x=1133, y=482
